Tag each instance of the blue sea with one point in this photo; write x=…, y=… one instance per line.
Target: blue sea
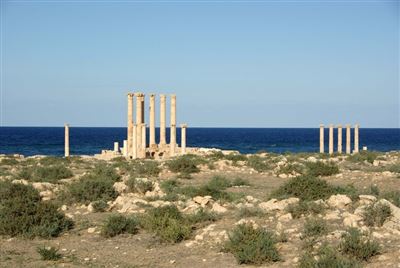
x=91, y=140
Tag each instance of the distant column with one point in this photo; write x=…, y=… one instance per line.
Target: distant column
x=321, y=139
x=130, y=122
x=330, y=139
x=339, y=140
x=183, y=138
x=163, y=140
x=173, y=125
x=116, y=147
x=143, y=149
x=348, y=139
x=356, y=140
x=66, y=144
x=134, y=142
x=125, y=148
x=152, y=129
x=139, y=119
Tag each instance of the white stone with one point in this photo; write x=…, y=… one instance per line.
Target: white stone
x=367, y=199
x=333, y=215
x=274, y=204
x=120, y=187
x=217, y=208
x=91, y=230
x=338, y=201
x=351, y=220
x=203, y=200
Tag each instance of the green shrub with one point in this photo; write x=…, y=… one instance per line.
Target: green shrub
x=246, y=212
x=138, y=185
x=327, y=257
x=258, y=163
x=235, y=157
x=393, y=197
x=356, y=245
x=119, y=224
x=23, y=213
x=315, y=227
x=49, y=253
x=201, y=216
x=89, y=189
x=167, y=223
x=291, y=168
x=369, y=156
x=305, y=208
x=395, y=168
x=320, y=168
x=9, y=161
x=51, y=174
x=186, y=164
x=99, y=206
x=147, y=168
x=54, y=160
x=376, y=214
x=240, y=182
x=252, y=246
x=106, y=172
x=306, y=188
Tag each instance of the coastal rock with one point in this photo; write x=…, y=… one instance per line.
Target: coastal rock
x=338, y=201
x=274, y=204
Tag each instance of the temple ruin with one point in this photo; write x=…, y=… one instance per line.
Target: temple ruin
x=339, y=139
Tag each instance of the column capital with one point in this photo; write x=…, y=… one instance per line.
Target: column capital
x=173, y=95
x=321, y=125
x=330, y=125
x=130, y=94
x=183, y=125
x=139, y=94
x=152, y=95
x=162, y=95
x=348, y=125
x=356, y=125
x=339, y=126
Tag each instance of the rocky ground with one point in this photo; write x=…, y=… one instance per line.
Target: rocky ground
x=253, y=195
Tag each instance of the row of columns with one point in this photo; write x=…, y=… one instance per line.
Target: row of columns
x=136, y=132
x=339, y=140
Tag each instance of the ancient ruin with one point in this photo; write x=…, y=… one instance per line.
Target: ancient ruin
x=339, y=140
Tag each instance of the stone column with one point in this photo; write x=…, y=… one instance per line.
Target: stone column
x=348, y=139
x=172, y=140
x=125, y=148
x=116, y=147
x=356, y=140
x=321, y=139
x=163, y=140
x=143, y=149
x=139, y=119
x=339, y=139
x=134, y=142
x=330, y=139
x=66, y=143
x=152, y=138
x=130, y=122
x=183, y=138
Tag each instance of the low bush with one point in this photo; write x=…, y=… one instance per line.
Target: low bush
x=376, y=214
x=51, y=174
x=395, y=168
x=369, y=156
x=252, y=246
x=119, y=224
x=23, y=213
x=327, y=257
x=291, y=168
x=89, y=189
x=315, y=227
x=167, y=223
x=147, y=168
x=235, y=157
x=49, y=253
x=320, y=168
x=246, y=212
x=393, y=197
x=354, y=244
x=240, y=182
x=258, y=163
x=54, y=160
x=186, y=164
x=201, y=216
x=99, y=206
x=9, y=161
x=138, y=185
x=305, y=208
x=106, y=172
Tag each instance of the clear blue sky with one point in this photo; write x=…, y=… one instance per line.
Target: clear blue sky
x=231, y=64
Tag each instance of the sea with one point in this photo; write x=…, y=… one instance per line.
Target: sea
x=30, y=141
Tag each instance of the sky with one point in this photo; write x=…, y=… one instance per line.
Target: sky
x=230, y=63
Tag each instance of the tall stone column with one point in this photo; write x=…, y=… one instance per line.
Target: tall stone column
x=330, y=139
x=172, y=141
x=183, y=138
x=163, y=120
x=66, y=140
x=339, y=139
x=130, y=123
x=152, y=130
x=143, y=149
x=116, y=147
x=348, y=139
x=139, y=119
x=356, y=138
x=134, y=142
x=125, y=148
x=321, y=139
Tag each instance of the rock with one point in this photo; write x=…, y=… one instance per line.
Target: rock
x=46, y=195
x=120, y=187
x=351, y=220
x=333, y=215
x=91, y=230
x=377, y=235
x=283, y=176
x=203, y=201
x=42, y=186
x=251, y=199
x=285, y=218
x=160, y=203
x=90, y=208
x=274, y=204
x=64, y=208
x=312, y=159
x=394, y=221
x=367, y=199
x=127, y=203
x=387, y=173
x=247, y=221
x=338, y=201
x=217, y=208
x=24, y=182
